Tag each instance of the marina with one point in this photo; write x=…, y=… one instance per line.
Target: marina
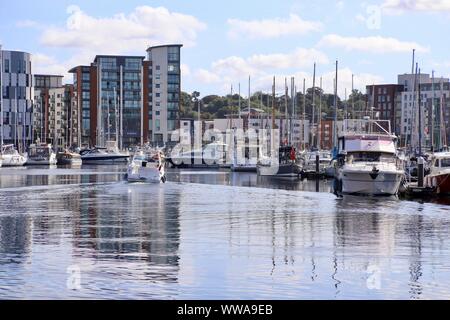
x=213, y=234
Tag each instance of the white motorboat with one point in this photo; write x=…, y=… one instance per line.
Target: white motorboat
x=325, y=162
x=367, y=159
x=68, y=158
x=99, y=155
x=285, y=167
x=11, y=157
x=41, y=154
x=147, y=167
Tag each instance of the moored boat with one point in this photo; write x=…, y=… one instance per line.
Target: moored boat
x=11, y=157
x=367, y=160
x=439, y=177
x=99, y=155
x=68, y=158
x=285, y=167
x=41, y=154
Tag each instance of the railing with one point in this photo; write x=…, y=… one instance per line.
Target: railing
x=366, y=126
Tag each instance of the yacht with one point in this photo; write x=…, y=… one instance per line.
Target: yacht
x=285, y=167
x=68, y=158
x=41, y=154
x=367, y=159
x=210, y=156
x=325, y=162
x=99, y=155
x=147, y=167
x=439, y=177
x=11, y=157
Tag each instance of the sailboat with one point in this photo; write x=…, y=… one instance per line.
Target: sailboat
x=283, y=163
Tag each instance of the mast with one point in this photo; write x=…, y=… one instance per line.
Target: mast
x=420, y=119
x=353, y=98
x=16, y=142
x=413, y=61
x=249, y=100
x=239, y=103
x=319, y=133
x=292, y=111
x=345, y=104
x=443, y=133
x=116, y=111
x=313, y=106
x=432, y=111
x=336, y=109
x=273, y=105
x=286, y=109
x=107, y=117
x=303, y=114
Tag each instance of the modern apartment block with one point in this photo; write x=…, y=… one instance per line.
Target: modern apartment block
x=129, y=99
x=410, y=106
x=383, y=100
x=164, y=91
x=16, y=98
x=63, y=117
x=42, y=85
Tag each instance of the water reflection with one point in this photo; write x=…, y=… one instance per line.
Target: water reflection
x=197, y=237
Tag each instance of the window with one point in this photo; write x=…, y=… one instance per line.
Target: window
x=133, y=64
x=157, y=113
x=173, y=53
x=86, y=76
x=157, y=125
x=157, y=86
x=6, y=65
x=158, y=67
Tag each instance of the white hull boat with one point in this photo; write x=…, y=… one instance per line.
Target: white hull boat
x=367, y=162
x=147, y=168
x=11, y=157
x=103, y=156
x=371, y=179
x=41, y=155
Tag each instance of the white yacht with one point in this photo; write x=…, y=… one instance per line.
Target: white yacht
x=367, y=159
x=41, y=154
x=99, y=155
x=11, y=157
x=147, y=167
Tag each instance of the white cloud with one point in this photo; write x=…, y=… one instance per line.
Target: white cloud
x=27, y=24
x=374, y=44
x=272, y=28
x=205, y=76
x=400, y=6
x=123, y=33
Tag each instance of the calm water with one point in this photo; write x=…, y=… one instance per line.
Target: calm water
x=212, y=235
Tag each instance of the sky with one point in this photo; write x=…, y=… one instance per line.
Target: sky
x=225, y=42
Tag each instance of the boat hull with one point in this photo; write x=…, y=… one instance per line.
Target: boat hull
x=145, y=174
x=105, y=160
x=368, y=183
x=243, y=168
x=439, y=182
x=13, y=160
x=41, y=162
x=291, y=170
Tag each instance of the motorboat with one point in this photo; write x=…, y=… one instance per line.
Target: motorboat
x=325, y=163
x=101, y=155
x=439, y=177
x=147, y=167
x=11, y=157
x=68, y=157
x=283, y=166
x=367, y=159
x=41, y=154
x=210, y=156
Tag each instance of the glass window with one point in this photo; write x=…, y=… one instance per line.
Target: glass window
x=86, y=76
x=157, y=125
x=133, y=64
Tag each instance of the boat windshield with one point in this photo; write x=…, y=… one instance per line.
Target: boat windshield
x=369, y=157
x=39, y=152
x=445, y=163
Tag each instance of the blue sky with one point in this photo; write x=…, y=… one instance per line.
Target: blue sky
x=226, y=41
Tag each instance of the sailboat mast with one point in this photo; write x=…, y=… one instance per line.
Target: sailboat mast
x=303, y=114
x=319, y=131
x=273, y=105
x=116, y=111
x=313, y=106
x=420, y=119
x=432, y=111
x=249, y=99
x=286, y=109
x=239, y=102
x=353, y=98
x=335, y=108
